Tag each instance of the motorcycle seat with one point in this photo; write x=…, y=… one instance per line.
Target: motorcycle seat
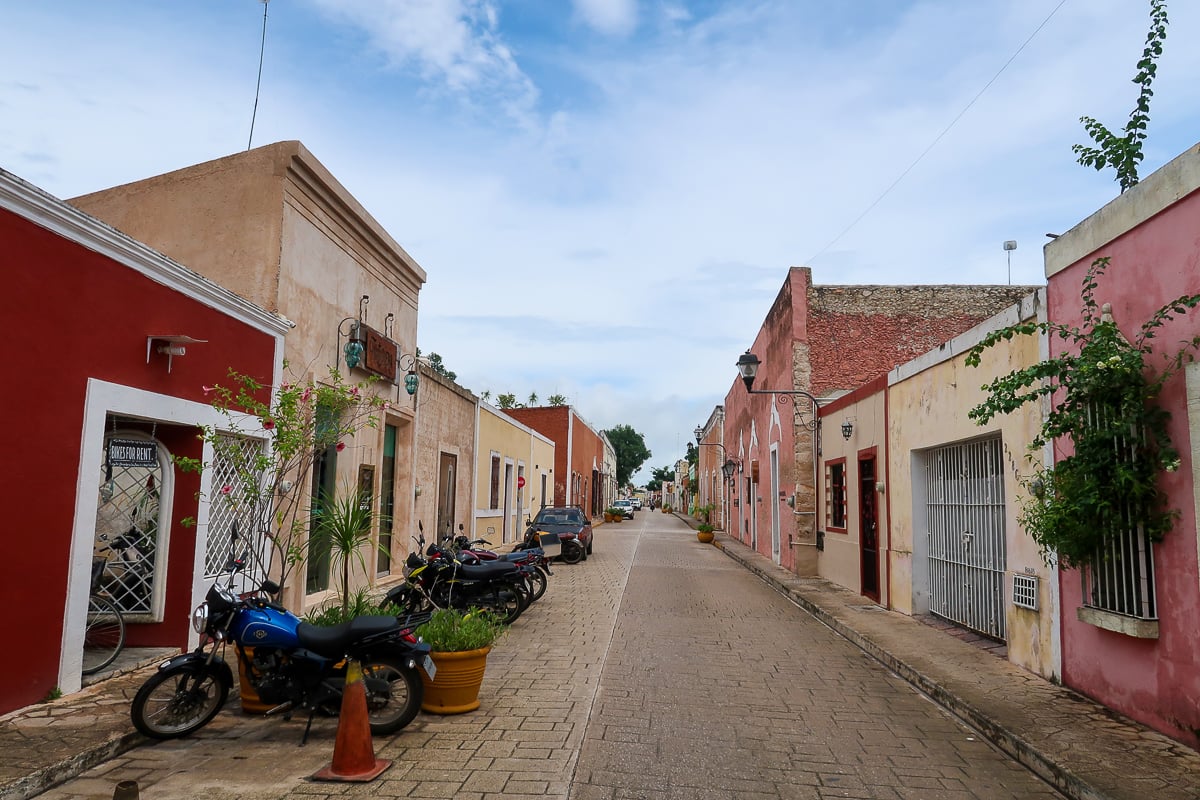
x=488, y=569
x=332, y=641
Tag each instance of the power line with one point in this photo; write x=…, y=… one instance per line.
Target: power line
x=938, y=138
x=262, y=48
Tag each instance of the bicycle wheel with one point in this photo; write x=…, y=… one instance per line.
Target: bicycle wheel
x=104, y=636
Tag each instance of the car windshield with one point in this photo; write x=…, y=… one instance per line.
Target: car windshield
x=558, y=517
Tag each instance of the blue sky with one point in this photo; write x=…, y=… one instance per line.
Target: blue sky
x=607, y=194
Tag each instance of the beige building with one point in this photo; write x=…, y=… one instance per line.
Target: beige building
x=444, y=457
x=514, y=469
x=954, y=492
x=273, y=225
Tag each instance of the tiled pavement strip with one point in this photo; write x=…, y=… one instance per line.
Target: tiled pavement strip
x=547, y=720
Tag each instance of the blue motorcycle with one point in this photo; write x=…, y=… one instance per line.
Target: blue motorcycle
x=293, y=665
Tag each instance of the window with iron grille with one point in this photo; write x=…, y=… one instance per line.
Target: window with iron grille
x=1120, y=576
x=835, y=494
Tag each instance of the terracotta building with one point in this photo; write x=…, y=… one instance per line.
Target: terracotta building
x=579, y=478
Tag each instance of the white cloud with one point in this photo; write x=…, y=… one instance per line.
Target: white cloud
x=614, y=17
x=454, y=43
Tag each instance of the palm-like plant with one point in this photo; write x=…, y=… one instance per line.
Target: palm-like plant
x=343, y=524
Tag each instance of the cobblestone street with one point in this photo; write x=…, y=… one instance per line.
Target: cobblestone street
x=634, y=677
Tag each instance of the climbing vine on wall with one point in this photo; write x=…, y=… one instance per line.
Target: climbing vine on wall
x=1104, y=400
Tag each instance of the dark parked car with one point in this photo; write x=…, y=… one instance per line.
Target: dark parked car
x=566, y=519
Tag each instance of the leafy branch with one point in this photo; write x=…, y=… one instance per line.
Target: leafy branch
x=1123, y=153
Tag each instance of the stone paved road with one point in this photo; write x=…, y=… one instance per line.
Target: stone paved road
x=633, y=678
x=707, y=699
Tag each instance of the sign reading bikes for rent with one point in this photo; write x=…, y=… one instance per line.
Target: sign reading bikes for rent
x=132, y=453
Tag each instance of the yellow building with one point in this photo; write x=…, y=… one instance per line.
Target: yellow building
x=953, y=493
x=514, y=475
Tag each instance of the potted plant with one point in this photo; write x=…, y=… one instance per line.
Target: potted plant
x=704, y=532
x=460, y=642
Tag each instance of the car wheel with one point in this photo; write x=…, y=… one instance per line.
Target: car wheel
x=589, y=548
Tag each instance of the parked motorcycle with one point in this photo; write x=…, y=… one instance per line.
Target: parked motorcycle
x=294, y=665
x=533, y=560
x=439, y=580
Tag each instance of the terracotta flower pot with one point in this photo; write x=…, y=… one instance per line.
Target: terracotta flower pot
x=704, y=536
x=455, y=690
x=251, y=703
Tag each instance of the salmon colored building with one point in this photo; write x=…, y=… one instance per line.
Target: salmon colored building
x=579, y=478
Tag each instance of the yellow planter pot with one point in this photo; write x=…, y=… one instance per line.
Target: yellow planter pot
x=251, y=704
x=455, y=690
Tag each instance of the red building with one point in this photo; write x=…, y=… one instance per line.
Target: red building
x=578, y=454
x=108, y=345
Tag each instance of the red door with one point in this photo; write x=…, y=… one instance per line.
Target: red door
x=869, y=526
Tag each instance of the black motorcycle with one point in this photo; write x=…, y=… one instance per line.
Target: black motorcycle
x=438, y=579
x=295, y=665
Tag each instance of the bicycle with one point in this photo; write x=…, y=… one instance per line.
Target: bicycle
x=104, y=636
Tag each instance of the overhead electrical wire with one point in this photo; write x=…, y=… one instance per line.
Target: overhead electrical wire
x=938, y=138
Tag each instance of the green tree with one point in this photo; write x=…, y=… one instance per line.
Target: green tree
x=631, y=451
x=557, y=400
x=506, y=401
x=435, y=363
x=533, y=399
x=659, y=475
x=1123, y=153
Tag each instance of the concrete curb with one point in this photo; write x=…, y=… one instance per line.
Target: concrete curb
x=59, y=773
x=1009, y=742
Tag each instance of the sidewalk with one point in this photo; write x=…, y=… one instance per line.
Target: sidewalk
x=1077, y=745
x=1080, y=747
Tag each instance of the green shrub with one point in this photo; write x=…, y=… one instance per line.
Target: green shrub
x=453, y=631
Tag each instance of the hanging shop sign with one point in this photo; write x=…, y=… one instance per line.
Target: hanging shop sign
x=382, y=354
x=132, y=453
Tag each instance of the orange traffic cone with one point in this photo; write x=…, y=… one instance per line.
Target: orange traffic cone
x=353, y=754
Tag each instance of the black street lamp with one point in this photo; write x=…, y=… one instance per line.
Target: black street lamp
x=748, y=365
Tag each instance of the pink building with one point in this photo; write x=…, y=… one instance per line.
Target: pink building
x=824, y=341
x=1138, y=651
x=107, y=345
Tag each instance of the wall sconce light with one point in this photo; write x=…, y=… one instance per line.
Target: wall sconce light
x=411, y=379
x=169, y=345
x=355, y=350
x=417, y=491
x=847, y=430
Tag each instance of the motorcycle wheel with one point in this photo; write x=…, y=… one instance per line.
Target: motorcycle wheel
x=408, y=601
x=394, y=694
x=571, y=553
x=507, y=602
x=537, y=579
x=177, y=702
